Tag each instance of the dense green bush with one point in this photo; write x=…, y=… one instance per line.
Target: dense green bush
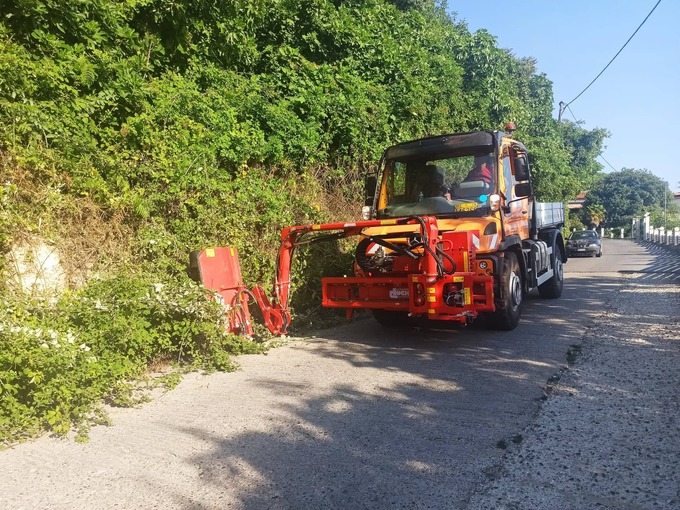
x=59, y=360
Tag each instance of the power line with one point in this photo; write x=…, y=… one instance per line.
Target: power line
x=610, y=165
x=572, y=114
x=576, y=121
x=563, y=106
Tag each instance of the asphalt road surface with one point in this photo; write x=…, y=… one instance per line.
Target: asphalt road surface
x=364, y=417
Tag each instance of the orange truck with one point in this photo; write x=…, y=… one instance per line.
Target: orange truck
x=450, y=233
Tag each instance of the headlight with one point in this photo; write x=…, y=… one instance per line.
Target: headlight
x=494, y=202
x=592, y=244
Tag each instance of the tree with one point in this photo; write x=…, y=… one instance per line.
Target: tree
x=626, y=194
x=420, y=5
x=564, y=158
x=595, y=215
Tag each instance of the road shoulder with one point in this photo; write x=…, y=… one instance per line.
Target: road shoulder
x=607, y=436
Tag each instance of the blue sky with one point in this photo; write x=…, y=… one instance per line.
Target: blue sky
x=637, y=99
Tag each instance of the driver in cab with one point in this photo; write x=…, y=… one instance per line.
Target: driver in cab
x=483, y=170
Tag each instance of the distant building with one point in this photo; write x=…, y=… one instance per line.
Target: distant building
x=577, y=203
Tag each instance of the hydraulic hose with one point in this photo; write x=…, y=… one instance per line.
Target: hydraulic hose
x=439, y=255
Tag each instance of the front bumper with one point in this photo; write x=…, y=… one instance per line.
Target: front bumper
x=582, y=251
x=459, y=297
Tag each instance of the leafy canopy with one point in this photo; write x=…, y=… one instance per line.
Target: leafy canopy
x=630, y=193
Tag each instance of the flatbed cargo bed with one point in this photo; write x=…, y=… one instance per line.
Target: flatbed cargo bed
x=549, y=214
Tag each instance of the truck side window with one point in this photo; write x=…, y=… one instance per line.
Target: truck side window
x=510, y=182
x=397, y=183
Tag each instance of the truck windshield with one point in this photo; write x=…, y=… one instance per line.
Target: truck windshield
x=454, y=186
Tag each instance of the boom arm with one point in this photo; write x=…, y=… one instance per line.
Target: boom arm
x=276, y=313
x=438, y=264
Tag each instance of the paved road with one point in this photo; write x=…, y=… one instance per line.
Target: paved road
x=358, y=417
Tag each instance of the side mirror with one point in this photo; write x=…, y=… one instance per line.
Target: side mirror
x=523, y=189
x=521, y=169
x=370, y=184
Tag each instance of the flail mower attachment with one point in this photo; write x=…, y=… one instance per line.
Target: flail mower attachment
x=431, y=275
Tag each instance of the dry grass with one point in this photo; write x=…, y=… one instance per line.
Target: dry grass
x=37, y=211
x=341, y=196
x=91, y=239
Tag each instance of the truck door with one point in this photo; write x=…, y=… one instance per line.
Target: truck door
x=516, y=212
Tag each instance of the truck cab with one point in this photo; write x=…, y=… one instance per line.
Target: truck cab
x=479, y=183
x=472, y=181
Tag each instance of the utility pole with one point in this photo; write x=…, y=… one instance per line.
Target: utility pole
x=664, y=204
x=561, y=111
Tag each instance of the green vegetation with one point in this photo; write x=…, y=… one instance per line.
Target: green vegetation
x=59, y=360
x=134, y=132
x=629, y=193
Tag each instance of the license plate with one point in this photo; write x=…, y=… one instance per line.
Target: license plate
x=581, y=249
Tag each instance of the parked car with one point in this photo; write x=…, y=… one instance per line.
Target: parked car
x=584, y=242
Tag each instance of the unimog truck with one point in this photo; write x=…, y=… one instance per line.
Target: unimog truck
x=451, y=232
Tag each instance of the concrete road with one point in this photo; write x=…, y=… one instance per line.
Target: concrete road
x=359, y=417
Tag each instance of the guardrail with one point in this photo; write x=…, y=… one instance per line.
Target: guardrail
x=643, y=231
x=664, y=236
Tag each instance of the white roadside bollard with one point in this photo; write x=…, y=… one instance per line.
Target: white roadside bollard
x=646, y=227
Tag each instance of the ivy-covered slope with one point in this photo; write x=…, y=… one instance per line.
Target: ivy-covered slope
x=189, y=118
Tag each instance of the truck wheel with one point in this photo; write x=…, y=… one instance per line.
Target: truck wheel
x=391, y=319
x=508, y=312
x=553, y=288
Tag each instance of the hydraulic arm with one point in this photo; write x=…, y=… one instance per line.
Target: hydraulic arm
x=415, y=271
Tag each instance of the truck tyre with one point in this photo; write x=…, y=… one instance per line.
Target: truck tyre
x=552, y=288
x=391, y=318
x=509, y=310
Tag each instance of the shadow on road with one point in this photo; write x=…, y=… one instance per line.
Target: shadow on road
x=415, y=419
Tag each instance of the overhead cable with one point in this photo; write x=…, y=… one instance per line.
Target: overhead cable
x=563, y=106
x=576, y=121
x=610, y=165
x=572, y=114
